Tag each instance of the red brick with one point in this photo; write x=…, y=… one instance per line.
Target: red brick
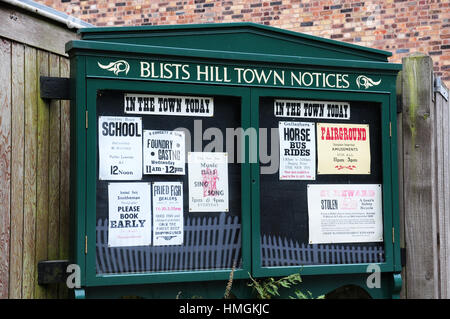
x=406, y=26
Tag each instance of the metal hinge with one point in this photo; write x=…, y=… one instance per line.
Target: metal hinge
x=85, y=245
x=403, y=257
x=86, y=119
x=440, y=88
x=393, y=235
x=390, y=129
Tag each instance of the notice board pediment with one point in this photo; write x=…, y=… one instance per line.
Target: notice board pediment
x=236, y=37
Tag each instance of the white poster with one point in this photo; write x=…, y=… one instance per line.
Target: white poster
x=129, y=206
x=208, y=181
x=164, y=152
x=345, y=213
x=167, y=213
x=120, y=148
x=297, y=151
x=168, y=105
x=312, y=109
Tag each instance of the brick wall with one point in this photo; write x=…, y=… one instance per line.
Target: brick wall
x=399, y=26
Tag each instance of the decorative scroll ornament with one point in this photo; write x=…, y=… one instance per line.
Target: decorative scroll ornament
x=116, y=67
x=366, y=82
x=350, y=167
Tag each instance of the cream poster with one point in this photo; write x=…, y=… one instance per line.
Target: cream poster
x=130, y=222
x=208, y=181
x=345, y=213
x=119, y=148
x=343, y=148
x=167, y=213
x=297, y=151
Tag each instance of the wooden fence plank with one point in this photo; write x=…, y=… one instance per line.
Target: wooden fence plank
x=418, y=146
x=64, y=186
x=17, y=168
x=54, y=173
x=5, y=161
x=42, y=190
x=438, y=181
x=400, y=172
x=30, y=151
x=443, y=195
x=446, y=164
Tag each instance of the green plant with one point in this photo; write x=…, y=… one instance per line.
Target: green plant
x=269, y=287
x=228, y=294
x=307, y=295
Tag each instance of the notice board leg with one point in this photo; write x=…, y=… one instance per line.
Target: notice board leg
x=397, y=285
x=79, y=293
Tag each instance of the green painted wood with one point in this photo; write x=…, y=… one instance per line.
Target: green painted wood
x=199, y=47
x=388, y=213
x=78, y=163
x=237, y=37
x=116, y=48
x=395, y=190
x=92, y=279
x=214, y=289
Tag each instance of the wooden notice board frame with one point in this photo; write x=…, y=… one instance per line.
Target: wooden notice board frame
x=120, y=59
x=92, y=278
x=388, y=265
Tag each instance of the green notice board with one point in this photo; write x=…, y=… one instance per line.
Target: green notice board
x=195, y=154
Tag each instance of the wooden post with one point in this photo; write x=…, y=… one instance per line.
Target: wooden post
x=419, y=178
x=424, y=141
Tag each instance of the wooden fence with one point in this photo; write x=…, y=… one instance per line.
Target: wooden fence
x=34, y=154
x=424, y=168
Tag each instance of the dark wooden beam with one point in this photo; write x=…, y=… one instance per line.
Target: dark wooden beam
x=52, y=271
x=55, y=88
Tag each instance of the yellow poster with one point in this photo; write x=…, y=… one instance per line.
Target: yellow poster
x=343, y=148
